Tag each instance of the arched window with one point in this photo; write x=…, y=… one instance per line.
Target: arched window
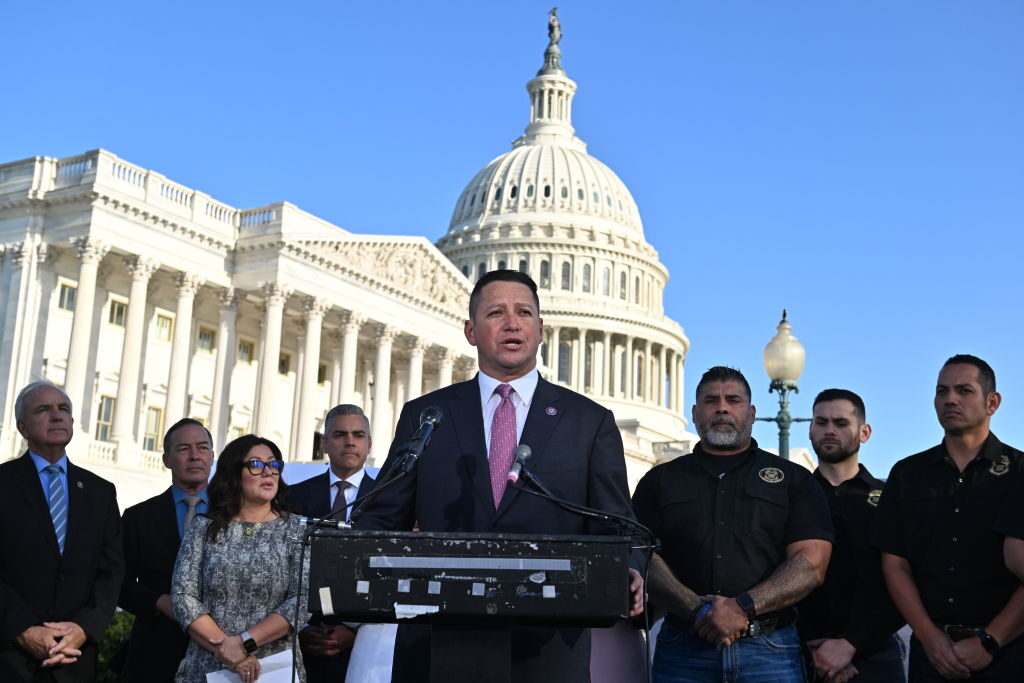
x=622, y=285
x=529, y=190
x=481, y=270
x=586, y=277
x=566, y=276
x=545, y=274
x=523, y=266
x=565, y=192
x=579, y=193
x=472, y=199
x=497, y=195
x=636, y=289
x=513, y=191
x=547, y=191
x=606, y=282
x=501, y=265
x=465, y=271
x=596, y=200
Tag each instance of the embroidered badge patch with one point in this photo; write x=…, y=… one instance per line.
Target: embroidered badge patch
x=1000, y=468
x=772, y=475
x=551, y=410
x=874, y=496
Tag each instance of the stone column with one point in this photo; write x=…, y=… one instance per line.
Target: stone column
x=90, y=252
x=177, y=378
x=576, y=362
x=555, y=354
x=337, y=344
x=306, y=424
x=367, y=388
x=125, y=410
x=16, y=286
x=444, y=372
x=225, y=365
x=647, y=374
x=607, y=365
x=628, y=388
x=382, y=378
x=351, y=322
x=275, y=295
x=662, y=374
x=680, y=390
x=415, y=384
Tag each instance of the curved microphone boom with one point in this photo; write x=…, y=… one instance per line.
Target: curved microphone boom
x=523, y=453
x=429, y=419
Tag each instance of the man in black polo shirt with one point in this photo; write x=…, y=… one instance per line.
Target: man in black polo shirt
x=849, y=622
x=748, y=531
x=938, y=529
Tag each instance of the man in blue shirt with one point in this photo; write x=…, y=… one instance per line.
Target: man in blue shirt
x=60, y=560
x=152, y=533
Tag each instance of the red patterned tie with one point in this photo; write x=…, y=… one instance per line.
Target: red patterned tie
x=503, y=442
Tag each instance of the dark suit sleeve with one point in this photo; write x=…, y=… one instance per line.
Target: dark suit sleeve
x=136, y=597
x=95, y=615
x=15, y=615
x=394, y=508
x=608, y=489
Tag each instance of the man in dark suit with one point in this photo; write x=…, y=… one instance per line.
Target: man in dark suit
x=153, y=530
x=60, y=563
x=326, y=647
x=460, y=481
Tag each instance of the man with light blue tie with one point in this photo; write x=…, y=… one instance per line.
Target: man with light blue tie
x=61, y=561
x=153, y=530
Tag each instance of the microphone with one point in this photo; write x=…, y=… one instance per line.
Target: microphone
x=523, y=453
x=429, y=419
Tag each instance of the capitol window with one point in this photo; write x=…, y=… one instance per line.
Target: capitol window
x=566, y=276
x=104, y=418
x=622, y=286
x=513, y=192
x=154, y=428
x=586, y=277
x=529, y=190
x=547, y=191
x=321, y=374
x=501, y=265
x=67, y=296
x=565, y=192
x=284, y=364
x=118, y=311
x=596, y=200
x=545, y=274
x=164, y=327
x=481, y=270
x=246, y=351
x=636, y=290
x=206, y=339
x=606, y=282
x=523, y=268
x=579, y=193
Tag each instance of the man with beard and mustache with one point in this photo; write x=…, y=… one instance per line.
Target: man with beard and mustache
x=849, y=622
x=941, y=527
x=745, y=529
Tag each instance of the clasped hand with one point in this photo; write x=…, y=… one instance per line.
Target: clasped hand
x=55, y=642
x=723, y=623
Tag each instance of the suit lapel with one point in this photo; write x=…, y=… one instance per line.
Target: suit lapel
x=467, y=420
x=541, y=421
x=79, y=500
x=28, y=483
x=166, y=522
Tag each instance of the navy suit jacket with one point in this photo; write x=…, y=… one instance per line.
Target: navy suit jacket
x=151, y=543
x=577, y=453
x=312, y=497
x=38, y=583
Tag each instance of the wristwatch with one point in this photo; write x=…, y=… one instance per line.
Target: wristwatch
x=746, y=604
x=988, y=642
x=249, y=643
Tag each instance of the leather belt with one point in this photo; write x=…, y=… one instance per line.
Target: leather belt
x=766, y=623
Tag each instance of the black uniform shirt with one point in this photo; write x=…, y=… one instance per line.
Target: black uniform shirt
x=725, y=521
x=853, y=603
x=945, y=523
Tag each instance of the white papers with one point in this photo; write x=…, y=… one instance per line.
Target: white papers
x=273, y=669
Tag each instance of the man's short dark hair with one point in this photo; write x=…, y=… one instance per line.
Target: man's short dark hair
x=501, y=276
x=843, y=395
x=182, y=423
x=346, y=409
x=986, y=375
x=721, y=373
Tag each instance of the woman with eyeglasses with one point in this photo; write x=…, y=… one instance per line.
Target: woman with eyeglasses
x=235, y=586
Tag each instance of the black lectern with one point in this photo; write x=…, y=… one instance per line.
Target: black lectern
x=455, y=580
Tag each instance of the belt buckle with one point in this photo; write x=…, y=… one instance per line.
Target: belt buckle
x=753, y=629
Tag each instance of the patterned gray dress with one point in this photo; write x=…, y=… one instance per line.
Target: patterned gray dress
x=251, y=571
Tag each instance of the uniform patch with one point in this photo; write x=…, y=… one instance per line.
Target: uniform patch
x=551, y=410
x=1000, y=468
x=874, y=496
x=772, y=475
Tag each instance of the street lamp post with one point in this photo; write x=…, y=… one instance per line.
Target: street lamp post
x=784, y=361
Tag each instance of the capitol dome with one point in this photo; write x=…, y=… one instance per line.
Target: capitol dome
x=548, y=208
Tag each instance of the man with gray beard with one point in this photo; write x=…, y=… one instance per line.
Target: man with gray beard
x=745, y=535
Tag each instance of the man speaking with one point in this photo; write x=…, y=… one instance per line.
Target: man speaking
x=459, y=483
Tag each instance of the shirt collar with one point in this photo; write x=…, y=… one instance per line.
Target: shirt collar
x=990, y=450
x=180, y=494
x=356, y=479
x=524, y=386
x=750, y=451
x=42, y=463
x=862, y=477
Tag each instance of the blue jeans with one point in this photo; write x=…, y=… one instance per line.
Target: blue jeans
x=683, y=657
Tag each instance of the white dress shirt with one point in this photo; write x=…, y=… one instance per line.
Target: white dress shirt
x=523, y=389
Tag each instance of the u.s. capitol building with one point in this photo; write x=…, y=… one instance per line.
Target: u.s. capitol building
x=149, y=301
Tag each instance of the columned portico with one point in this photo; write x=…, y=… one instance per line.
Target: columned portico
x=177, y=378
x=125, y=411
x=90, y=253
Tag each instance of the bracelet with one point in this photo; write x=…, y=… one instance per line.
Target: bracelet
x=248, y=642
x=989, y=642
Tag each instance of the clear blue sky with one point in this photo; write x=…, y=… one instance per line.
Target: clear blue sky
x=859, y=163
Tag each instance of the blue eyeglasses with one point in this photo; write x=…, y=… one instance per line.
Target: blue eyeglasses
x=258, y=467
